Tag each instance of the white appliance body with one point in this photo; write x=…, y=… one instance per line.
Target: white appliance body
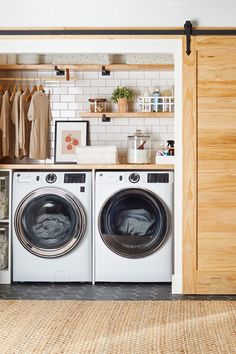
x=52, y=226
x=122, y=199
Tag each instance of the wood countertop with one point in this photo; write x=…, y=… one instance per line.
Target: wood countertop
x=86, y=167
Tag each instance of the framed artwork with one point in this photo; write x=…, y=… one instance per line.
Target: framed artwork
x=69, y=135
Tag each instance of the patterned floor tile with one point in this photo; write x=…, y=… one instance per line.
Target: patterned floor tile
x=100, y=291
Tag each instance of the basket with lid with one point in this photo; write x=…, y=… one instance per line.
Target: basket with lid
x=139, y=148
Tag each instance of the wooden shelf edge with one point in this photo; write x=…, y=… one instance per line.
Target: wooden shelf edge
x=90, y=67
x=128, y=114
x=88, y=167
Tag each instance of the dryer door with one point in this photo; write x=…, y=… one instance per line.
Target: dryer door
x=49, y=222
x=133, y=223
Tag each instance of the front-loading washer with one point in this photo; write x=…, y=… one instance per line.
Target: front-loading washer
x=52, y=229
x=134, y=226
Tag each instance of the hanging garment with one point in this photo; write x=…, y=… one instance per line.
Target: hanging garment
x=7, y=127
x=24, y=125
x=15, y=117
x=39, y=114
x=1, y=96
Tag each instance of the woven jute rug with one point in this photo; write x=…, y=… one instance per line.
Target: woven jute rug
x=117, y=327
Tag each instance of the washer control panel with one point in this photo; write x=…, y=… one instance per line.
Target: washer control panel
x=158, y=178
x=134, y=177
x=51, y=178
x=74, y=177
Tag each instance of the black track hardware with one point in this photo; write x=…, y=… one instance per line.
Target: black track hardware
x=105, y=118
x=105, y=72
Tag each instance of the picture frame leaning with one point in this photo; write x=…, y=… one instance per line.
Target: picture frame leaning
x=68, y=135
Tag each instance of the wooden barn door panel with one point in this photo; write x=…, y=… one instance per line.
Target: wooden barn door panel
x=215, y=173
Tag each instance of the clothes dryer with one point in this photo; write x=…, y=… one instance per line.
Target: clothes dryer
x=134, y=226
x=52, y=226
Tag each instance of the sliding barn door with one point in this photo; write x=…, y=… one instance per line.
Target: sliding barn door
x=209, y=247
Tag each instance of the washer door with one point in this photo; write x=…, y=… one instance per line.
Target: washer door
x=49, y=222
x=133, y=223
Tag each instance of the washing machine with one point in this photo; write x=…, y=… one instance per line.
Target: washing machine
x=134, y=226
x=52, y=226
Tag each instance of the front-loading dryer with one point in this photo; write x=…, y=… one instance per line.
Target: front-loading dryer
x=52, y=226
x=134, y=226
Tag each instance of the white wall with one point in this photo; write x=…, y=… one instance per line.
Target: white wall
x=102, y=13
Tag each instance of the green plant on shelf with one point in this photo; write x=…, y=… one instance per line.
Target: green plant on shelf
x=122, y=92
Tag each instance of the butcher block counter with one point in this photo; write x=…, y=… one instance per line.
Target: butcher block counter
x=86, y=167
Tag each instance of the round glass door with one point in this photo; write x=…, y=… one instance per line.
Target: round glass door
x=133, y=223
x=50, y=222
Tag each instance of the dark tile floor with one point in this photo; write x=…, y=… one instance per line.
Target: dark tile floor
x=100, y=291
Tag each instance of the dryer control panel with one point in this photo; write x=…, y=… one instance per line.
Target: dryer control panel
x=158, y=178
x=74, y=177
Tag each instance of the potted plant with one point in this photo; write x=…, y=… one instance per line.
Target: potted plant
x=122, y=95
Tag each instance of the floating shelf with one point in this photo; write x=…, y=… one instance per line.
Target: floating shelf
x=91, y=67
x=127, y=114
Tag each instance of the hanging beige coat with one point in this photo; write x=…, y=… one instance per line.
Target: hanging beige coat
x=39, y=114
x=24, y=125
x=7, y=127
x=15, y=117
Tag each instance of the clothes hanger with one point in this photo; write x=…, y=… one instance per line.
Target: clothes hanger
x=21, y=87
x=13, y=93
x=27, y=89
x=41, y=88
x=35, y=88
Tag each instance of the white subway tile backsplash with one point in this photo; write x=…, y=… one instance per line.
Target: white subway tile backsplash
x=112, y=129
x=74, y=105
x=113, y=83
x=128, y=129
x=59, y=90
x=67, y=98
x=171, y=128
x=129, y=83
x=151, y=75
x=90, y=75
x=105, y=90
x=106, y=137
x=68, y=101
x=167, y=121
x=55, y=114
x=136, y=75
x=166, y=74
x=144, y=83
x=121, y=74
x=159, y=129
x=59, y=106
x=92, y=91
x=83, y=83
x=55, y=98
x=68, y=114
x=167, y=136
x=98, y=128
x=152, y=121
x=136, y=121
x=75, y=90
x=122, y=121
x=98, y=82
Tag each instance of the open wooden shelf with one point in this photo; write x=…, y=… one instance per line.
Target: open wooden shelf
x=128, y=114
x=91, y=67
